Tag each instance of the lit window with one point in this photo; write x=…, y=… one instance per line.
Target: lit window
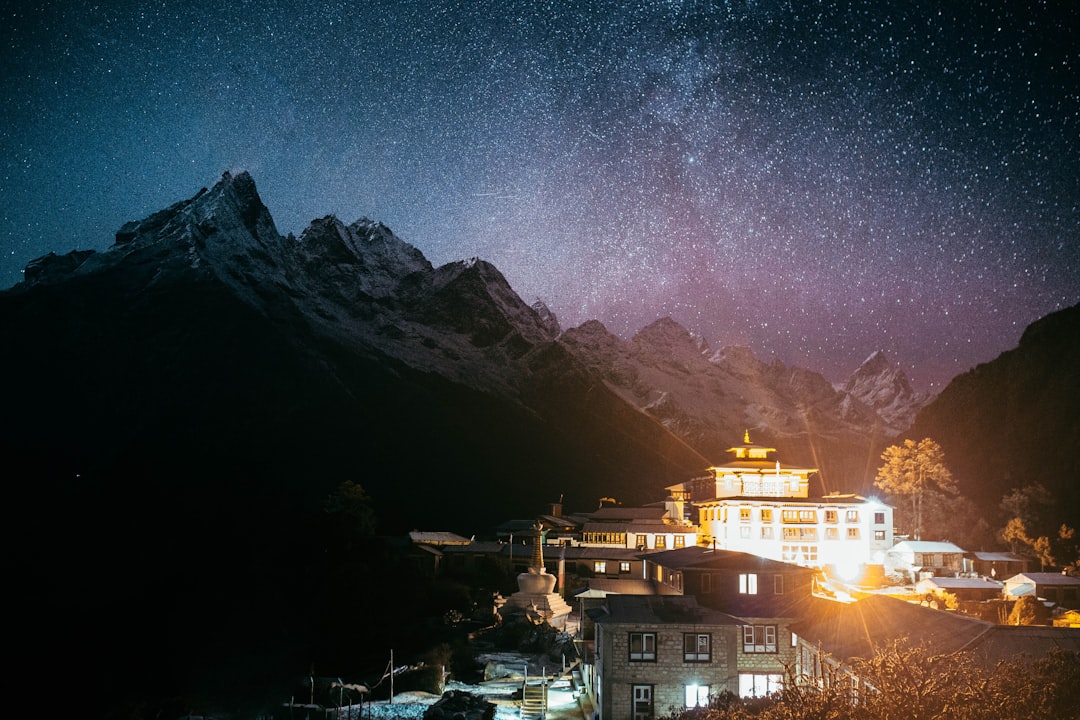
x=853, y=533
x=697, y=696
x=766, y=515
x=624, y=567
x=759, y=638
x=852, y=516
x=661, y=541
x=830, y=516
x=642, y=646
x=747, y=583
x=696, y=647
x=744, y=514
x=599, y=566
x=680, y=541
x=879, y=534
x=760, y=684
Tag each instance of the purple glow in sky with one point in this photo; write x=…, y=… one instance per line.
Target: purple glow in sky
x=815, y=180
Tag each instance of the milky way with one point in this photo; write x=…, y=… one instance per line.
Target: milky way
x=813, y=180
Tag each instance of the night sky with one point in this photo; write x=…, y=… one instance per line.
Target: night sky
x=815, y=180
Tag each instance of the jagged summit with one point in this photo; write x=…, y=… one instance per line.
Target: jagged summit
x=885, y=388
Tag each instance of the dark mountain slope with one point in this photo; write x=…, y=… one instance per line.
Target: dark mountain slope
x=180, y=406
x=1015, y=421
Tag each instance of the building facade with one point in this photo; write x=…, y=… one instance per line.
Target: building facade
x=754, y=504
x=654, y=653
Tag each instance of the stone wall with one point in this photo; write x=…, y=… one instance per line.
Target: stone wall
x=669, y=674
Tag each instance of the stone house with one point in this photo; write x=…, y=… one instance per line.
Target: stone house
x=654, y=653
x=768, y=595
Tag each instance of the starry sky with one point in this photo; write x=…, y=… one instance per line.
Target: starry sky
x=814, y=180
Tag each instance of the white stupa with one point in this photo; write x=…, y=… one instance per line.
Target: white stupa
x=536, y=594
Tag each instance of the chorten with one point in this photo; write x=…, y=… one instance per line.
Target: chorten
x=536, y=595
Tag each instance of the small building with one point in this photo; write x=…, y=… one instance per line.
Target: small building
x=996, y=565
x=918, y=559
x=1063, y=590
x=964, y=588
x=654, y=653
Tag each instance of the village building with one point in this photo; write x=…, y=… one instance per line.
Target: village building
x=638, y=528
x=975, y=589
x=767, y=595
x=832, y=636
x=996, y=565
x=1056, y=588
x=654, y=653
x=918, y=559
x=755, y=504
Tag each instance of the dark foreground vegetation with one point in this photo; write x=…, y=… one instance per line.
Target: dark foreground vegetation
x=902, y=682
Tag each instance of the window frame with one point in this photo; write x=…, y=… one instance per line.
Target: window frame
x=753, y=633
x=645, y=641
x=692, y=647
x=748, y=584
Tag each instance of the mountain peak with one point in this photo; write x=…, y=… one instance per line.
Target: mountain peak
x=886, y=389
x=666, y=336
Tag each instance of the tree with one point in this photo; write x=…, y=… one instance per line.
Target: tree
x=350, y=512
x=913, y=472
x=1043, y=546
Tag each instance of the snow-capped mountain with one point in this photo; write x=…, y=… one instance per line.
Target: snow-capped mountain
x=345, y=294
x=709, y=397
x=884, y=387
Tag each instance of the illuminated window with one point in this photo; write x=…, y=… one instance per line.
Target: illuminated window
x=748, y=583
x=697, y=696
x=599, y=566
x=851, y=516
x=766, y=515
x=624, y=567
x=799, y=516
x=830, y=516
x=697, y=647
x=801, y=534
x=853, y=533
x=759, y=638
x=643, y=646
x=680, y=541
x=879, y=534
x=744, y=514
x=760, y=684
x=661, y=541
